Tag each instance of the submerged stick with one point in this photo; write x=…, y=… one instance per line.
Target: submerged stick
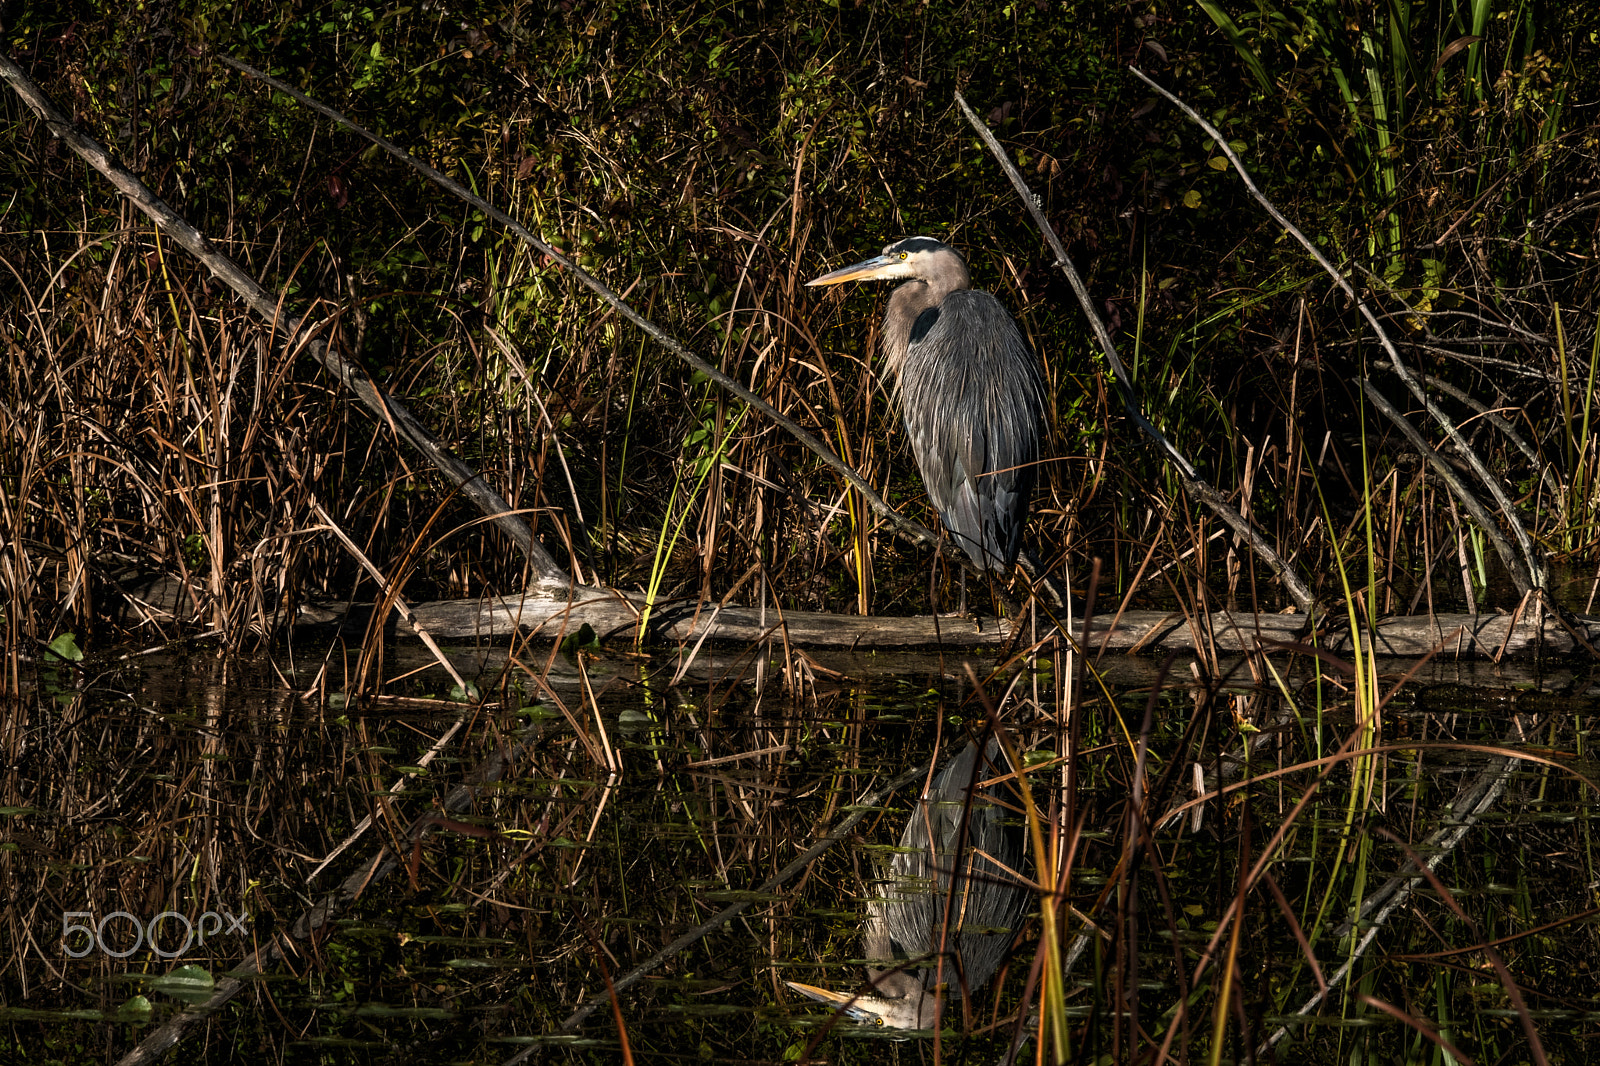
x=1193, y=485
x=1459, y=816
x=863, y=807
x=459, y=800
x=1527, y=572
x=295, y=331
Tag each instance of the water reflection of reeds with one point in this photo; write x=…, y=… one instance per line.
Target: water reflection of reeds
x=494, y=890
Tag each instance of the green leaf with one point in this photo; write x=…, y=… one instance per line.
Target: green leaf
x=585, y=639
x=65, y=648
x=137, y=1009
x=1230, y=30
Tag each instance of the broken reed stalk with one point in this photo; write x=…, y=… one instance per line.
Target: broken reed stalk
x=295, y=332
x=1527, y=572
x=391, y=596
x=1196, y=487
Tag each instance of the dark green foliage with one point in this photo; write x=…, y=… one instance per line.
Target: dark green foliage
x=707, y=159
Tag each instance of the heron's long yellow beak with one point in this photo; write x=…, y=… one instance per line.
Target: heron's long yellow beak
x=861, y=1008
x=822, y=995
x=879, y=266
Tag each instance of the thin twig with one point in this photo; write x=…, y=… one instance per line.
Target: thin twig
x=1528, y=572
x=391, y=596
x=1547, y=474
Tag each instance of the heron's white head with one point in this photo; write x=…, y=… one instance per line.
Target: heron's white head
x=898, y=1001
x=914, y=257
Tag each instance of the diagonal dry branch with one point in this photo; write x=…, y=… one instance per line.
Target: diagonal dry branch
x=294, y=331
x=1196, y=487
x=915, y=531
x=1527, y=571
x=1444, y=470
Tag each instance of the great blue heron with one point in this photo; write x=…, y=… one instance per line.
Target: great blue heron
x=957, y=833
x=969, y=390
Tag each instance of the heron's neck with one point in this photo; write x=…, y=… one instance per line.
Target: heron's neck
x=906, y=304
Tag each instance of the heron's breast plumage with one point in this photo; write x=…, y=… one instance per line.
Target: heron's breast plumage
x=957, y=853
x=972, y=398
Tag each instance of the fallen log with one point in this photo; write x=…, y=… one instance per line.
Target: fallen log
x=555, y=613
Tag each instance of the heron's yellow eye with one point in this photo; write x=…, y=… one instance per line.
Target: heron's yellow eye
x=903, y=254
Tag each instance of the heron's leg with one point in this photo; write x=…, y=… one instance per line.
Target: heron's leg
x=961, y=603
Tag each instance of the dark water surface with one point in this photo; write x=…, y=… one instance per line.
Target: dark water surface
x=149, y=801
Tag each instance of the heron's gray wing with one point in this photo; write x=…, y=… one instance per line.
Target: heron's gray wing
x=973, y=404
x=907, y=922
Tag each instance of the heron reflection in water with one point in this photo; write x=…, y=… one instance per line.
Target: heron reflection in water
x=969, y=391
x=958, y=833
